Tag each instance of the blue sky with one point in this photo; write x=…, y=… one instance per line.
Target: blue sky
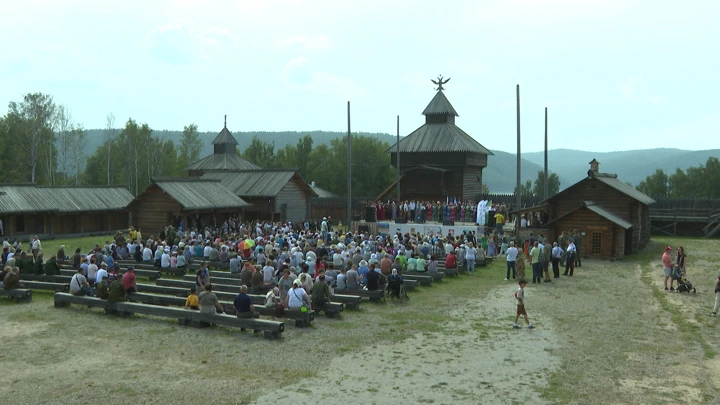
x=615, y=75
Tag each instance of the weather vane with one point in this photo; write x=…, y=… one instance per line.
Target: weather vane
x=440, y=82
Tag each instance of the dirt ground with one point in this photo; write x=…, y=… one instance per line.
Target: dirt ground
x=608, y=335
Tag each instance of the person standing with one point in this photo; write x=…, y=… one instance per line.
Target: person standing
x=680, y=259
x=324, y=229
x=470, y=252
x=717, y=297
x=536, y=264
x=520, y=298
x=577, y=240
x=556, y=255
x=511, y=257
x=667, y=266
x=570, y=258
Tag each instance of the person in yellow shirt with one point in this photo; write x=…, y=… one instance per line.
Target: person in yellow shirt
x=499, y=222
x=192, y=300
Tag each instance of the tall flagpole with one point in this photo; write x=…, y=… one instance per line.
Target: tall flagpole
x=518, y=197
x=547, y=179
x=397, y=159
x=349, y=171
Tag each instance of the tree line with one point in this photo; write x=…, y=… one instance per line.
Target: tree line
x=695, y=182
x=41, y=143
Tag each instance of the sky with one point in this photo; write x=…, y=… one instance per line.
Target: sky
x=614, y=74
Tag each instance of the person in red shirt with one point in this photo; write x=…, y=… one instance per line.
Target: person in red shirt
x=451, y=260
x=129, y=280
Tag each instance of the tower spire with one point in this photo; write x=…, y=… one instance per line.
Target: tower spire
x=225, y=124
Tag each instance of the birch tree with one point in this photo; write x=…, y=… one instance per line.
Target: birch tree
x=34, y=116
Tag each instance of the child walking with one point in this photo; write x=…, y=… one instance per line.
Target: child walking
x=520, y=297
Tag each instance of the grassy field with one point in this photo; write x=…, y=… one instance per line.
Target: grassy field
x=608, y=335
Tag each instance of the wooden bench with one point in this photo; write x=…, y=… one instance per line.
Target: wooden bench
x=375, y=295
x=46, y=285
x=156, y=289
x=224, y=274
x=436, y=275
x=189, y=267
x=422, y=280
x=350, y=301
x=17, y=294
x=215, y=280
x=151, y=273
x=43, y=277
x=190, y=284
x=410, y=284
x=302, y=319
x=271, y=329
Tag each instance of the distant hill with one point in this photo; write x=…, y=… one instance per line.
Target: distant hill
x=631, y=166
x=570, y=165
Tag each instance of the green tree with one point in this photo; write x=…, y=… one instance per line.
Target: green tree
x=302, y=154
x=553, y=185
x=655, y=185
x=260, y=152
x=33, y=125
x=679, y=185
x=190, y=146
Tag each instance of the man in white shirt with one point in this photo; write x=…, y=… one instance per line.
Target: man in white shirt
x=35, y=246
x=92, y=269
x=147, y=255
x=512, y=253
x=570, y=258
x=165, y=258
x=102, y=272
x=79, y=284
x=557, y=254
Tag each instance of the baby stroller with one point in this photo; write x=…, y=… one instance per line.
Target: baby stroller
x=684, y=285
x=395, y=288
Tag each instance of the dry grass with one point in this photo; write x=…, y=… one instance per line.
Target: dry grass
x=608, y=335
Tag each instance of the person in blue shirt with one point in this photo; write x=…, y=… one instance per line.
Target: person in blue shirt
x=110, y=262
x=243, y=305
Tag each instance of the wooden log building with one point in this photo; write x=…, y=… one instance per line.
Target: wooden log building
x=196, y=202
x=275, y=194
x=27, y=209
x=439, y=159
x=612, y=217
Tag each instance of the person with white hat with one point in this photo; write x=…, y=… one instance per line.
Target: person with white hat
x=165, y=258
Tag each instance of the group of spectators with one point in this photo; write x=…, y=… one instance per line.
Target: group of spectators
x=542, y=254
x=433, y=211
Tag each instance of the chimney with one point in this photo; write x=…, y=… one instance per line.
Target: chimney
x=594, y=167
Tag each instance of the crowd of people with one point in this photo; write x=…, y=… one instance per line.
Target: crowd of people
x=436, y=211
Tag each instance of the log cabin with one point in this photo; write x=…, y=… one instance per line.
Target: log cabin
x=611, y=217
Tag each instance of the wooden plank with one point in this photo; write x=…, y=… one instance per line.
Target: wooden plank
x=272, y=329
x=64, y=299
x=373, y=295
x=215, y=280
x=350, y=301
x=152, y=274
x=17, y=294
x=43, y=285
x=156, y=289
x=190, y=284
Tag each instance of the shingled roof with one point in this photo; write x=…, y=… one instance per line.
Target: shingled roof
x=258, y=183
x=441, y=137
x=225, y=137
x=28, y=198
x=199, y=194
x=223, y=161
x=439, y=134
x=440, y=105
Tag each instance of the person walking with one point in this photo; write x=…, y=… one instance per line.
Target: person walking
x=667, y=266
x=520, y=298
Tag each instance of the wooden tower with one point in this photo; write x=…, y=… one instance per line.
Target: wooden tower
x=438, y=160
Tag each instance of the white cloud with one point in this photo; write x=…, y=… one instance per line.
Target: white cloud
x=300, y=74
x=180, y=43
x=316, y=43
x=633, y=89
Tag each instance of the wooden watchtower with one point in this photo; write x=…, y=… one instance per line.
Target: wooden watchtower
x=439, y=159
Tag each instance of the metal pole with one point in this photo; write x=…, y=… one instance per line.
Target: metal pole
x=547, y=179
x=397, y=159
x=518, y=200
x=349, y=171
